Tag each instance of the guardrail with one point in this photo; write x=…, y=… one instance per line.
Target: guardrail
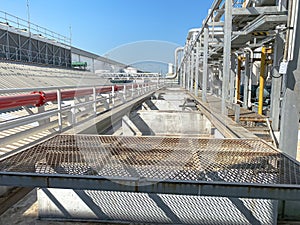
x=43, y=112
x=26, y=26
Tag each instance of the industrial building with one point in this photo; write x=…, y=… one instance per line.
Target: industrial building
x=214, y=141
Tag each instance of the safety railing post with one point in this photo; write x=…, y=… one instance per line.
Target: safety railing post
x=132, y=90
x=113, y=95
x=124, y=93
x=59, y=114
x=94, y=101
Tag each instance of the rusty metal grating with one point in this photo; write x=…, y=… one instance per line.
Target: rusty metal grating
x=162, y=158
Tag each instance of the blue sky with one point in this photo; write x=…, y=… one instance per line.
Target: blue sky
x=102, y=25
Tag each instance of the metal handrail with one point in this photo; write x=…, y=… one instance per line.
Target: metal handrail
x=27, y=26
x=95, y=100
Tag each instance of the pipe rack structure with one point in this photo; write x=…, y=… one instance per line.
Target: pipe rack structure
x=237, y=28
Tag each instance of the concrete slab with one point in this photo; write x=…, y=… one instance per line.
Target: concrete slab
x=172, y=123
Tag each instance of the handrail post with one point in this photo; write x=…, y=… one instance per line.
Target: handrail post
x=59, y=114
x=94, y=101
x=113, y=95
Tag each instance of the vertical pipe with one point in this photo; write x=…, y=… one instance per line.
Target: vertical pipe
x=205, y=62
x=262, y=80
x=232, y=90
x=246, y=81
x=192, y=69
x=181, y=76
x=238, y=80
x=226, y=53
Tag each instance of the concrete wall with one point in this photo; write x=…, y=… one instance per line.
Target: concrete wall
x=78, y=205
x=171, y=123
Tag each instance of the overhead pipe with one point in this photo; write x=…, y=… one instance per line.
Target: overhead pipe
x=40, y=98
x=215, y=4
x=174, y=75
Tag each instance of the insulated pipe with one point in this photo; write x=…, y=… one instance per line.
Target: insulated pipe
x=174, y=75
x=7, y=102
x=40, y=98
x=250, y=77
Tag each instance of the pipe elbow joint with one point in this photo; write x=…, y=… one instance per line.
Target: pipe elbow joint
x=42, y=98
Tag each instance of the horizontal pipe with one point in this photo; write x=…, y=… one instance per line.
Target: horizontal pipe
x=14, y=101
x=40, y=98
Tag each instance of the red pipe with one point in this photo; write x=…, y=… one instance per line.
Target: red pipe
x=8, y=102
x=40, y=98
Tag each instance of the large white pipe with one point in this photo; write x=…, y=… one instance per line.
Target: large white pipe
x=250, y=79
x=174, y=75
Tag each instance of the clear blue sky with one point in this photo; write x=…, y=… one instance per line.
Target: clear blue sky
x=101, y=25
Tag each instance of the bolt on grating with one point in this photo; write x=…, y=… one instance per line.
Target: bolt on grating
x=187, y=159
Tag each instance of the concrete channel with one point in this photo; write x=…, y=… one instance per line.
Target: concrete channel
x=166, y=113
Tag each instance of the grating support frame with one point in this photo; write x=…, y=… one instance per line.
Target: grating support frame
x=251, y=167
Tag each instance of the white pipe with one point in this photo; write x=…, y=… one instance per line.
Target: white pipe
x=250, y=80
x=174, y=75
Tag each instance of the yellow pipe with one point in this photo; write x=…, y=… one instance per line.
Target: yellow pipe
x=262, y=80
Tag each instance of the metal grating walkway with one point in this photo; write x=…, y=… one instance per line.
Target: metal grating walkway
x=216, y=167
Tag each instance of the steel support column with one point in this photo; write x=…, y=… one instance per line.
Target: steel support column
x=226, y=53
x=197, y=68
x=291, y=101
x=188, y=73
x=210, y=79
x=221, y=77
x=276, y=82
x=192, y=67
x=184, y=75
x=205, y=68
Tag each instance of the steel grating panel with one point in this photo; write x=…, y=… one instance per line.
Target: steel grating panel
x=151, y=164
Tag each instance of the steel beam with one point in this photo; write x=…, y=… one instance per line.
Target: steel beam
x=144, y=185
x=226, y=54
x=256, y=11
